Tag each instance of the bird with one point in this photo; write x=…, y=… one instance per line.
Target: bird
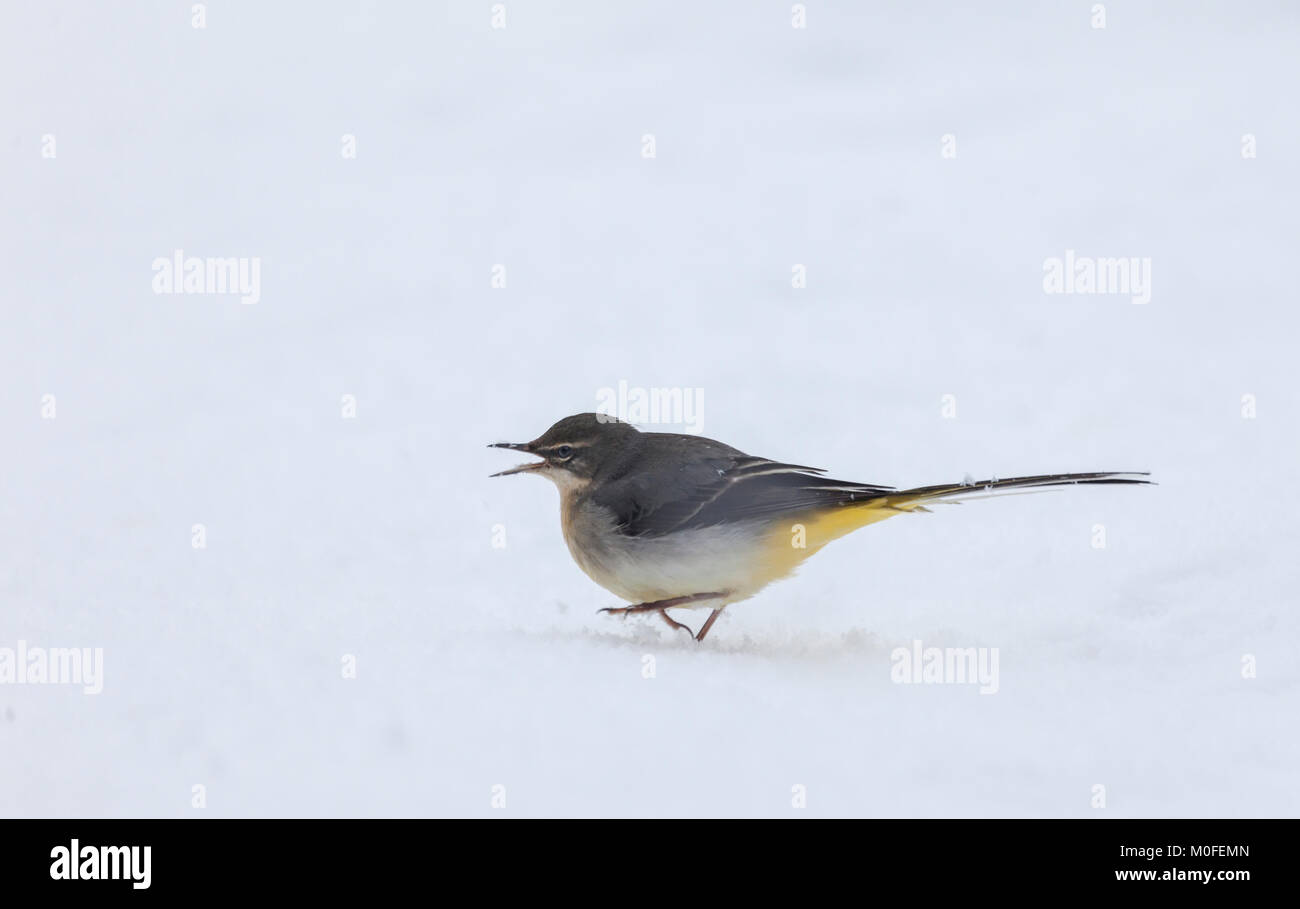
x=666, y=520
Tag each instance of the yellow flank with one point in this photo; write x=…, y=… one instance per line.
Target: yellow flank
x=795, y=540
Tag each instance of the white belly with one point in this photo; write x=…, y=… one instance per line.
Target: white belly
x=724, y=559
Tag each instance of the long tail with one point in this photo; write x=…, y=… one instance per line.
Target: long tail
x=916, y=499
x=791, y=545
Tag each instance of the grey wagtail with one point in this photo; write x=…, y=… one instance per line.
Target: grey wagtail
x=665, y=520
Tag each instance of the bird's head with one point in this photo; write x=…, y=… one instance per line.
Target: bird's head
x=574, y=450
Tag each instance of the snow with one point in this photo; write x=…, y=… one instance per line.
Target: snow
x=478, y=666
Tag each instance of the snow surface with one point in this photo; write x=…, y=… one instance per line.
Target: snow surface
x=480, y=666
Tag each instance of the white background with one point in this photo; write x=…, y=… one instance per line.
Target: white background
x=775, y=146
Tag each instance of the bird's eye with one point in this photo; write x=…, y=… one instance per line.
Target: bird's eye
x=564, y=451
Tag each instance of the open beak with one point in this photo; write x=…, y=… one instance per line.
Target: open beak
x=522, y=468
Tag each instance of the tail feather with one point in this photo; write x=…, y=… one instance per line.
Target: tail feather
x=825, y=524
x=915, y=499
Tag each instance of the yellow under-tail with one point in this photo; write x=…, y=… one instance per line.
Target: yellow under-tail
x=788, y=545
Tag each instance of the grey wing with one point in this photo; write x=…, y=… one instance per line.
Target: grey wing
x=723, y=490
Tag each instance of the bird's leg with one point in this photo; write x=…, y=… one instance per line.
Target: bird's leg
x=674, y=624
x=708, y=623
x=659, y=605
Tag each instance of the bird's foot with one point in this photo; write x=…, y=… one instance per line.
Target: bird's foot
x=674, y=624
x=625, y=611
x=661, y=607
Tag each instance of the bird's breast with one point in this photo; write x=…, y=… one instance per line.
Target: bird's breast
x=734, y=558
